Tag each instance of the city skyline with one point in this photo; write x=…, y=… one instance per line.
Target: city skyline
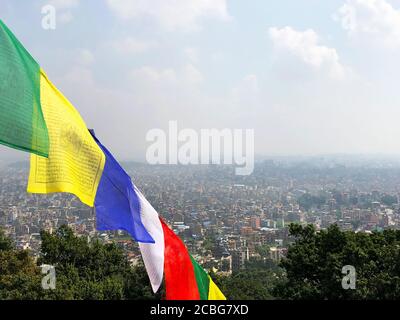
x=224, y=219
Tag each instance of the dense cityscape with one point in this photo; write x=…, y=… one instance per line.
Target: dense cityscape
x=224, y=219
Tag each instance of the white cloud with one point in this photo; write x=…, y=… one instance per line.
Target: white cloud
x=217, y=56
x=65, y=17
x=245, y=99
x=131, y=45
x=63, y=7
x=305, y=46
x=171, y=14
x=170, y=94
x=79, y=76
x=153, y=77
x=371, y=18
x=191, y=54
x=248, y=86
x=84, y=57
x=191, y=74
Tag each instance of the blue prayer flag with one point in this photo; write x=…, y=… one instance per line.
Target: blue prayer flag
x=117, y=204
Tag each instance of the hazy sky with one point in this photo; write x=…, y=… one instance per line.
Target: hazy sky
x=308, y=76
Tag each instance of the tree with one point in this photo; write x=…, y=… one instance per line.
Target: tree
x=312, y=269
x=20, y=278
x=92, y=270
x=5, y=242
x=263, y=251
x=83, y=270
x=249, y=284
x=315, y=260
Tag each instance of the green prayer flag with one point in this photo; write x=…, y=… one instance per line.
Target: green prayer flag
x=201, y=279
x=22, y=125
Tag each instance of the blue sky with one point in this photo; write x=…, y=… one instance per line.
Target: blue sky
x=310, y=77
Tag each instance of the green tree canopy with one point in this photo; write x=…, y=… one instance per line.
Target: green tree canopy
x=84, y=270
x=20, y=278
x=314, y=264
x=92, y=270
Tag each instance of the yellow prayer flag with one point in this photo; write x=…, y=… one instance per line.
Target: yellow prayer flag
x=213, y=291
x=75, y=163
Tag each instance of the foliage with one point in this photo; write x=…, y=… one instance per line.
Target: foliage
x=5, y=242
x=314, y=264
x=91, y=270
x=249, y=284
x=312, y=269
x=83, y=270
x=263, y=251
x=19, y=276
